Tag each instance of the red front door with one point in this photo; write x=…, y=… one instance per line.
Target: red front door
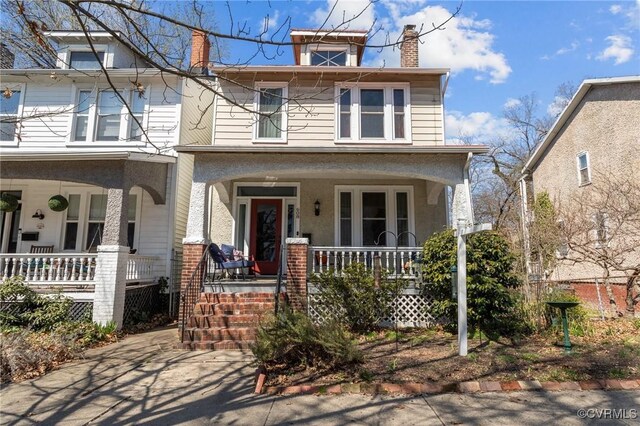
x=266, y=229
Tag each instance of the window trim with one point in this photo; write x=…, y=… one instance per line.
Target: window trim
x=125, y=123
x=283, y=139
x=356, y=209
x=308, y=50
x=64, y=56
x=21, y=87
x=588, y=168
x=388, y=113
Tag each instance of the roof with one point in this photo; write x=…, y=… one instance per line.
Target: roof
x=568, y=111
x=432, y=149
x=329, y=70
x=80, y=35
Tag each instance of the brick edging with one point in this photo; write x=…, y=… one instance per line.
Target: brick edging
x=463, y=387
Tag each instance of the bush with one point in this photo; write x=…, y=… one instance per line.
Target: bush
x=353, y=299
x=492, y=305
x=292, y=339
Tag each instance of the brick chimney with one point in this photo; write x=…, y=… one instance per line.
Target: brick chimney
x=409, y=47
x=7, y=57
x=200, y=46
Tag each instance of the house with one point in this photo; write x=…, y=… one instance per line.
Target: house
x=312, y=165
x=597, y=134
x=106, y=145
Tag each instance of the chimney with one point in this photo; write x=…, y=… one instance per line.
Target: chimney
x=7, y=57
x=200, y=46
x=409, y=47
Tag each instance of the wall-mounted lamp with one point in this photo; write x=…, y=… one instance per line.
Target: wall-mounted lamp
x=38, y=215
x=316, y=207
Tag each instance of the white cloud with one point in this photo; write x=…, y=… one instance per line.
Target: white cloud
x=477, y=127
x=512, y=102
x=557, y=106
x=620, y=49
x=615, y=9
x=353, y=15
x=464, y=43
x=565, y=50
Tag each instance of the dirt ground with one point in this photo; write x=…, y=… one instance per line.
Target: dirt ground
x=611, y=351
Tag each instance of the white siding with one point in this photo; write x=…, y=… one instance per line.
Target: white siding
x=183, y=196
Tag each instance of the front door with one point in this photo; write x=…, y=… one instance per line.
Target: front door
x=266, y=229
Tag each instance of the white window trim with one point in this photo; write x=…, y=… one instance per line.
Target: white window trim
x=307, y=50
x=285, y=106
x=125, y=123
x=585, y=153
x=388, y=113
x=22, y=87
x=356, y=210
x=64, y=55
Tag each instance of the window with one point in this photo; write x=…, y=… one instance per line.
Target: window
x=97, y=214
x=381, y=112
x=601, y=225
x=584, y=169
x=329, y=58
x=71, y=223
x=100, y=118
x=86, y=60
x=272, y=119
x=364, y=214
x=9, y=107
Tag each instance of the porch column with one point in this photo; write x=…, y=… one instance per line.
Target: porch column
x=461, y=216
x=113, y=255
x=297, y=259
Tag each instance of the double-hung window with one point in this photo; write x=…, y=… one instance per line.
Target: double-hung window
x=10, y=101
x=97, y=214
x=71, y=223
x=271, y=112
x=584, y=169
x=372, y=112
x=110, y=115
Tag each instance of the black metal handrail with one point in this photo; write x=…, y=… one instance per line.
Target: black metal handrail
x=279, y=282
x=191, y=293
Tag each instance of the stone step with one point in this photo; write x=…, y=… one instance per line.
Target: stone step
x=233, y=308
x=211, y=321
x=217, y=346
x=218, y=334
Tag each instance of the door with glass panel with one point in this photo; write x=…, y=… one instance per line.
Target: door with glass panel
x=10, y=223
x=266, y=234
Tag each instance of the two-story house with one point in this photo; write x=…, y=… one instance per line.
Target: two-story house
x=327, y=157
x=97, y=134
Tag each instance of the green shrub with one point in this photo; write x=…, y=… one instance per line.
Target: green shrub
x=492, y=303
x=353, y=299
x=292, y=339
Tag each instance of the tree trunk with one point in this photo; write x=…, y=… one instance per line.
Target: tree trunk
x=631, y=283
x=612, y=298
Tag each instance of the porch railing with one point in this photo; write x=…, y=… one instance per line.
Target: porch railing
x=50, y=267
x=141, y=268
x=404, y=262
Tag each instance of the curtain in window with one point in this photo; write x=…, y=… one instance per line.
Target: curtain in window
x=270, y=125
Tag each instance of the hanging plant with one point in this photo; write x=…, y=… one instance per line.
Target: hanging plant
x=8, y=202
x=58, y=203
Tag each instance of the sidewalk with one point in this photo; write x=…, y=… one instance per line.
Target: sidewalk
x=142, y=380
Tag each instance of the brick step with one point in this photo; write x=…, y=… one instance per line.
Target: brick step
x=218, y=334
x=233, y=308
x=235, y=297
x=211, y=321
x=217, y=346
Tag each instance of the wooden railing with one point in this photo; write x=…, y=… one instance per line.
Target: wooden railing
x=141, y=268
x=404, y=261
x=49, y=267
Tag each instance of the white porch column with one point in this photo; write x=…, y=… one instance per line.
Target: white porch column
x=197, y=223
x=462, y=216
x=110, y=284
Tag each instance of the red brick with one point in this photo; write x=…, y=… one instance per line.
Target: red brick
x=391, y=388
x=334, y=389
x=468, y=387
x=432, y=388
x=613, y=384
x=413, y=388
x=629, y=384
x=490, y=386
x=591, y=384
x=510, y=386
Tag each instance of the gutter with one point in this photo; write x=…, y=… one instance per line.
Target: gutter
x=383, y=149
x=95, y=155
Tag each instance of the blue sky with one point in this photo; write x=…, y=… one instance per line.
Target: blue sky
x=497, y=50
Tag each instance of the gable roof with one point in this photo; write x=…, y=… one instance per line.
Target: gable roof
x=566, y=113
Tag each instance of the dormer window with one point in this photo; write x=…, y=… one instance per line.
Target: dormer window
x=329, y=58
x=86, y=60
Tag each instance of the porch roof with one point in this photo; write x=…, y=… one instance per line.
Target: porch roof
x=382, y=149
x=24, y=154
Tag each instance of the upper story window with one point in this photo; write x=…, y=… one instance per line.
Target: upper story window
x=105, y=118
x=9, y=111
x=372, y=112
x=584, y=169
x=271, y=121
x=329, y=58
x=85, y=60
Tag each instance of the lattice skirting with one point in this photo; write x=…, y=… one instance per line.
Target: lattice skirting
x=141, y=302
x=411, y=310
x=80, y=310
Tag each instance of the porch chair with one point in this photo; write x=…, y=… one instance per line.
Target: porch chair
x=223, y=263
x=41, y=249
x=37, y=264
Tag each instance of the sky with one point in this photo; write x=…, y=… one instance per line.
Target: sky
x=497, y=51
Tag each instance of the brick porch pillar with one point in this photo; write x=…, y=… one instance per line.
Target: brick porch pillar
x=191, y=255
x=297, y=258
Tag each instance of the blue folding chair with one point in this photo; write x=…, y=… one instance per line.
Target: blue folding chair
x=223, y=263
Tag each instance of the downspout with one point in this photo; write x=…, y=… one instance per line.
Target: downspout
x=467, y=187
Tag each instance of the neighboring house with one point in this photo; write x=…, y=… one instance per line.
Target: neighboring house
x=324, y=156
x=66, y=132
x=597, y=133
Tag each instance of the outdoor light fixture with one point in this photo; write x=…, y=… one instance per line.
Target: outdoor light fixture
x=316, y=207
x=454, y=282
x=38, y=215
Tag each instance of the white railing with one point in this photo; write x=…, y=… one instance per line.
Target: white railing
x=49, y=268
x=403, y=261
x=140, y=268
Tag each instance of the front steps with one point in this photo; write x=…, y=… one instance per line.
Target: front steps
x=222, y=321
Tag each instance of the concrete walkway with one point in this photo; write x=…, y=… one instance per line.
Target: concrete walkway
x=141, y=380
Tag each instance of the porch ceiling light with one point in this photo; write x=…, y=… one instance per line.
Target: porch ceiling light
x=316, y=207
x=38, y=215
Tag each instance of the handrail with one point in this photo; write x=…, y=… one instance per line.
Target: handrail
x=279, y=282
x=192, y=291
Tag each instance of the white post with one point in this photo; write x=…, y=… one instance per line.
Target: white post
x=462, y=289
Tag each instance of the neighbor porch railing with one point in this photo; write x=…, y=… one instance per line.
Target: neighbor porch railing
x=403, y=262
x=69, y=268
